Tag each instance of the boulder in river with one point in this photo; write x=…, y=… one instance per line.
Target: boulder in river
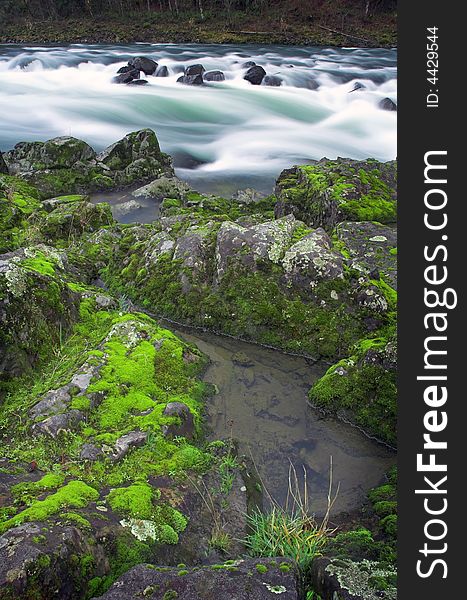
x=387, y=104
x=214, y=76
x=272, y=80
x=255, y=75
x=191, y=79
x=358, y=86
x=142, y=63
x=125, y=69
x=162, y=71
x=126, y=77
x=195, y=70
x=248, y=64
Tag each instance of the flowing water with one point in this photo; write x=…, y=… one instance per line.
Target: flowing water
x=262, y=402
x=224, y=136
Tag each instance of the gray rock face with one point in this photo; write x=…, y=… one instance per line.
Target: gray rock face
x=134, y=439
x=214, y=76
x=312, y=260
x=164, y=187
x=186, y=428
x=51, y=555
x=192, y=249
x=252, y=246
x=372, y=248
x=248, y=196
x=90, y=452
x=255, y=75
x=242, y=581
x=134, y=146
x=142, y=63
x=57, y=424
x=55, y=401
x=160, y=244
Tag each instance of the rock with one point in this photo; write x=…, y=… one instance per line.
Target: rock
x=68, y=165
x=162, y=71
x=255, y=75
x=37, y=307
x=147, y=65
x=327, y=192
x=214, y=76
x=349, y=580
x=243, y=580
x=248, y=196
x=3, y=167
x=312, y=260
x=54, y=557
x=357, y=86
x=72, y=219
x=61, y=152
x=56, y=424
x=186, y=428
x=192, y=70
x=126, y=208
x=387, y=104
x=192, y=249
x=372, y=249
x=248, y=64
x=54, y=402
x=90, y=452
x=164, y=187
x=272, y=80
x=125, y=69
x=242, y=360
x=127, y=77
x=134, y=439
x=191, y=79
x=159, y=245
x=52, y=203
x=138, y=82
x=253, y=246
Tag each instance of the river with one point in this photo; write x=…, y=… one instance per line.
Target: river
x=223, y=136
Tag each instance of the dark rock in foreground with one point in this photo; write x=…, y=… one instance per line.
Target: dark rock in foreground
x=250, y=579
x=255, y=75
x=162, y=71
x=3, y=167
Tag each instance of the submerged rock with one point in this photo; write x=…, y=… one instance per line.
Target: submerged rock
x=164, y=187
x=242, y=579
x=192, y=70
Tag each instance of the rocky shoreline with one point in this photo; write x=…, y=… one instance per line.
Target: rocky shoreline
x=105, y=467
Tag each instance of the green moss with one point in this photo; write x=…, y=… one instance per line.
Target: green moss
x=261, y=568
x=135, y=500
x=50, y=481
x=76, y=519
x=75, y=494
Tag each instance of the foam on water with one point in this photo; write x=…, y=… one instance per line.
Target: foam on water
x=233, y=133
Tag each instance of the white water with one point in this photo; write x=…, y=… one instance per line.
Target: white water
x=223, y=136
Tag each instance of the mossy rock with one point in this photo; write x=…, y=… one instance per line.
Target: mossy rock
x=326, y=192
